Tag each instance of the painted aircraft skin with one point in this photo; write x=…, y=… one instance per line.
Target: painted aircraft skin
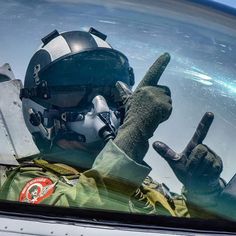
x=14, y=227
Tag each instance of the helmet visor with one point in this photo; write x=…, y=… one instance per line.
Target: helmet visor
x=77, y=78
x=97, y=68
x=82, y=96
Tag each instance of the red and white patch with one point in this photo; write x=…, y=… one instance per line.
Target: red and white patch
x=36, y=190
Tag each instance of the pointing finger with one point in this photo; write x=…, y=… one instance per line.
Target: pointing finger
x=200, y=133
x=154, y=73
x=166, y=152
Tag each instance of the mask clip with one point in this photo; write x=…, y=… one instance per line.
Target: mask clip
x=108, y=132
x=39, y=91
x=36, y=120
x=102, y=110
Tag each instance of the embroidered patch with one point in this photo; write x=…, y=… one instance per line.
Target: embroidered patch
x=36, y=190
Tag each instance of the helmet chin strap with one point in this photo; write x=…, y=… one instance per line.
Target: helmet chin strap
x=100, y=124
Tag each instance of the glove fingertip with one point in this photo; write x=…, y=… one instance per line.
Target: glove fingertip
x=119, y=86
x=159, y=147
x=123, y=89
x=167, y=56
x=166, y=152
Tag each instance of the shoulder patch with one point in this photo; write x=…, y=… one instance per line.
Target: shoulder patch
x=36, y=190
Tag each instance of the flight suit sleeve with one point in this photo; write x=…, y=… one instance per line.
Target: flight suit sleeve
x=109, y=184
x=119, y=172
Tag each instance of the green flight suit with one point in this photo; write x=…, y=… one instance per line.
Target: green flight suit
x=114, y=182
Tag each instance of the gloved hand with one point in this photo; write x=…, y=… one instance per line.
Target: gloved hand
x=197, y=167
x=145, y=109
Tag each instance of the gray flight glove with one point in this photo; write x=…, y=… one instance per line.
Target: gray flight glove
x=197, y=167
x=145, y=108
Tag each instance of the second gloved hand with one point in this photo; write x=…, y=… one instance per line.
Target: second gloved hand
x=197, y=167
x=145, y=109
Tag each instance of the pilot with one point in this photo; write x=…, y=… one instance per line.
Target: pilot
x=93, y=133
